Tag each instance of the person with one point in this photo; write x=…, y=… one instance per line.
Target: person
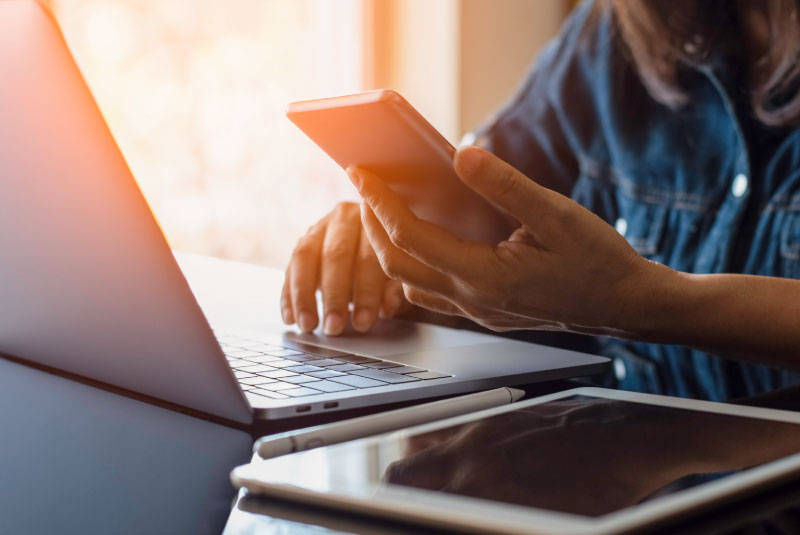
x=650, y=163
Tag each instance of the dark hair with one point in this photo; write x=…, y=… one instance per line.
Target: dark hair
x=663, y=36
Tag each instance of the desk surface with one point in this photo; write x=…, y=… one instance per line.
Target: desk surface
x=777, y=512
x=774, y=513
x=77, y=459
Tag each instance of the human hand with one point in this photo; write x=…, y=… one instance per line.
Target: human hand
x=335, y=257
x=564, y=268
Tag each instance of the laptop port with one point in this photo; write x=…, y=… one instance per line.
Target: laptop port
x=330, y=405
x=303, y=408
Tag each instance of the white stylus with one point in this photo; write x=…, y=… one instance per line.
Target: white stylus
x=325, y=435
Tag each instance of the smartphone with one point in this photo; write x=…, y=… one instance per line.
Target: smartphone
x=381, y=132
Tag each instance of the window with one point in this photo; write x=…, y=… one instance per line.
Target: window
x=194, y=93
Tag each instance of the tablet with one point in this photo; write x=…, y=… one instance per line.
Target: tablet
x=587, y=460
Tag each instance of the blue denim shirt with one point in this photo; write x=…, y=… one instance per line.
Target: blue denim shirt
x=702, y=189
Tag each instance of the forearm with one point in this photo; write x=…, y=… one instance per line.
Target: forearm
x=740, y=316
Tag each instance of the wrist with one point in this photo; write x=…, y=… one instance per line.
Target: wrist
x=656, y=301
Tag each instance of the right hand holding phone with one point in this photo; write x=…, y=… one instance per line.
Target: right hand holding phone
x=336, y=257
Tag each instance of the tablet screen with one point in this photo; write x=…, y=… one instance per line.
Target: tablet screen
x=585, y=456
x=580, y=455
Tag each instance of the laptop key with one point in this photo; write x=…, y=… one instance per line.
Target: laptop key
x=327, y=362
x=382, y=364
x=382, y=375
x=277, y=374
x=254, y=398
x=358, y=382
x=256, y=380
x=255, y=345
x=305, y=357
x=330, y=386
x=301, y=391
x=283, y=363
x=242, y=375
x=257, y=368
x=277, y=387
x=265, y=359
x=325, y=374
x=406, y=369
x=356, y=359
x=304, y=368
x=283, y=352
x=237, y=363
x=299, y=379
x=267, y=394
x=425, y=376
x=241, y=353
x=346, y=367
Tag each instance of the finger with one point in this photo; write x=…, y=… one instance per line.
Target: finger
x=507, y=188
x=394, y=302
x=432, y=302
x=304, y=277
x=398, y=265
x=368, y=286
x=424, y=241
x=338, y=258
x=286, y=299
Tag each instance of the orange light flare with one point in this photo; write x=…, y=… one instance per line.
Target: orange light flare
x=194, y=93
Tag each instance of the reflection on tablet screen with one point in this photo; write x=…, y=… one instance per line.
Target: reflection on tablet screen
x=580, y=455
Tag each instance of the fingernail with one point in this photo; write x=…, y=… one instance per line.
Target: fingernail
x=334, y=324
x=306, y=322
x=288, y=317
x=355, y=178
x=393, y=306
x=362, y=319
x=468, y=160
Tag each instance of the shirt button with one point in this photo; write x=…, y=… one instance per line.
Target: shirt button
x=621, y=225
x=739, y=187
x=619, y=369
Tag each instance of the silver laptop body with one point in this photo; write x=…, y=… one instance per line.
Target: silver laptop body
x=89, y=286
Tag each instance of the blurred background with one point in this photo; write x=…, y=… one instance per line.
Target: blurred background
x=194, y=92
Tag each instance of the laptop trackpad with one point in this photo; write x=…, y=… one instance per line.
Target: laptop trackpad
x=394, y=337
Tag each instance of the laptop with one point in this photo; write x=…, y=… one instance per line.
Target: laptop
x=90, y=287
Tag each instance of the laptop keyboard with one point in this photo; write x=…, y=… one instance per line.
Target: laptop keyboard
x=277, y=372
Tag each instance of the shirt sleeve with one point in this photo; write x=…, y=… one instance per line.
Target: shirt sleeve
x=534, y=130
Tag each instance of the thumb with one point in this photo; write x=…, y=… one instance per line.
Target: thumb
x=502, y=185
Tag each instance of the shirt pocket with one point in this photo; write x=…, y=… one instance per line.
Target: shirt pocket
x=790, y=245
x=637, y=211
x=642, y=224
